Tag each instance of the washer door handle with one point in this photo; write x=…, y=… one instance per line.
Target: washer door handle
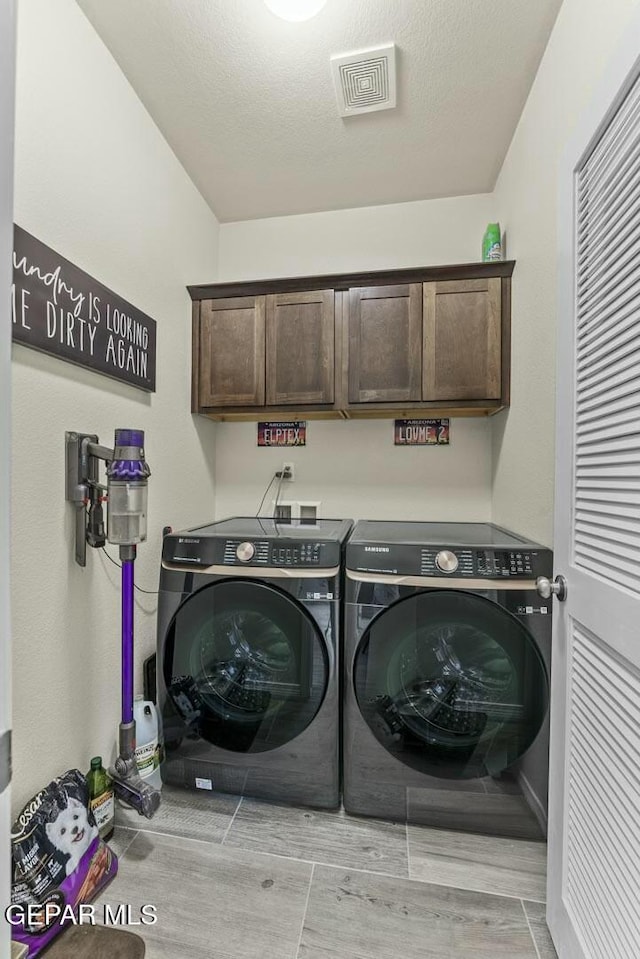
x=547, y=588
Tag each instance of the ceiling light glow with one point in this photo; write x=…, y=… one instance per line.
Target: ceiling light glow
x=295, y=10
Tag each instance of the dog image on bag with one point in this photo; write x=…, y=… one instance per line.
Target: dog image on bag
x=71, y=833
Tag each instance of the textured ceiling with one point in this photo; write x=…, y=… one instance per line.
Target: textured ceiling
x=247, y=102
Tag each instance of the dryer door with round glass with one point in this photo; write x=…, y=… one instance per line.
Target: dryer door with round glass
x=245, y=666
x=451, y=684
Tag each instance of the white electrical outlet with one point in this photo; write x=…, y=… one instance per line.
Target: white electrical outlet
x=291, y=469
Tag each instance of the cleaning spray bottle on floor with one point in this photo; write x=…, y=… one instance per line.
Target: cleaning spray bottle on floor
x=148, y=747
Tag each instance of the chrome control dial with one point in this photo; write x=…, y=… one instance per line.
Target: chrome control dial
x=245, y=552
x=447, y=561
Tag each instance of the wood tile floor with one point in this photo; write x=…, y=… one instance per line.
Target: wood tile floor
x=242, y=879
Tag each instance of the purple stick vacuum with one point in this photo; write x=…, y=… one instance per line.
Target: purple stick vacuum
x=127, y=476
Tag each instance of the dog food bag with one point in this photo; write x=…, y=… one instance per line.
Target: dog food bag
x=59, y=861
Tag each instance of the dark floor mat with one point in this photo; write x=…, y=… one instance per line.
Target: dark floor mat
x=95, y=942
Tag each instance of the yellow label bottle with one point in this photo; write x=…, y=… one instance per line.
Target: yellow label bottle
x=101, y=799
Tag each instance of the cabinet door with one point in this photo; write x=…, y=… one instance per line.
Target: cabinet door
x=300, y=348
x=462, y=351
x=385, y=344
x=232, y=342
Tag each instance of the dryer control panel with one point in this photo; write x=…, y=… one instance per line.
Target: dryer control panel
x=453, y=562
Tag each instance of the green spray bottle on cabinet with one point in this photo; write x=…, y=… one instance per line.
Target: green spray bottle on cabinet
x=491, y=243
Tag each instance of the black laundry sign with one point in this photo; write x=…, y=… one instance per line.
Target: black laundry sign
x=59, y=309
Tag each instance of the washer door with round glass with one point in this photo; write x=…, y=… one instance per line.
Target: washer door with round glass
x=245, y=666
x=451, y=684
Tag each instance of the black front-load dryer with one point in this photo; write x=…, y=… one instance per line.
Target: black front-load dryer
x=447, y=657
x=248, y=677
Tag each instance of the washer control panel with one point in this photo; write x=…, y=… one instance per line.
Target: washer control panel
x=296, y=554
x=245, y=552
x=281, y=553
x=446, y=561
x=204, y=551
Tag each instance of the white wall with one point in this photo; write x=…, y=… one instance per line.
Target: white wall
x=7, y=83
x=96, y=181
x=583, y=39
x=353, y=467
x=426, y=233
x=354, y=470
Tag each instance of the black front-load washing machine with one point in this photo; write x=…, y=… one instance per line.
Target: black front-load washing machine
x=447, y=653
x=248, y=639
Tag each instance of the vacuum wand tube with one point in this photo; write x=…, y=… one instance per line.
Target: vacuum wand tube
x=127, y=637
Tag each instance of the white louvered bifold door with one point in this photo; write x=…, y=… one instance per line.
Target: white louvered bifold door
x=594, y=832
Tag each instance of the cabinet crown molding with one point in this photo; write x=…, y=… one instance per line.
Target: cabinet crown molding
x=346, y=281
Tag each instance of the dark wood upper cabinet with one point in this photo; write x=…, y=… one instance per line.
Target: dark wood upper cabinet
x=231, y=352
x=300, y=348
x=430, y=341
x=385, y=343
x=462, y=340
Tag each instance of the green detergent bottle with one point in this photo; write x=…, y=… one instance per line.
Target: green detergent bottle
x=101, y=798
x=491, y=244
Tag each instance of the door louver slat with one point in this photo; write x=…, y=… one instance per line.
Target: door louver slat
x=595, y=512
x=603, y=277
x=596, y=343
x=610, y=195
x=620, y=422
x=596, y=550
x=597, y=367
x=604, y=789
x=625, y=371
x=613, y=149
x=601, y=466
x=596, y=245
x=623, y=126
x=590, y=895
x=601, y=515
x=619, y=430
x=621, y=359
x=602, y=301
x=607, y=409
x=621, y=390
x=602, y=529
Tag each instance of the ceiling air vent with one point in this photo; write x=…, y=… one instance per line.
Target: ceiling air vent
x=365, y=81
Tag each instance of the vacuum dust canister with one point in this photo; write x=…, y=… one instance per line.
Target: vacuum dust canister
x=127, y=473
